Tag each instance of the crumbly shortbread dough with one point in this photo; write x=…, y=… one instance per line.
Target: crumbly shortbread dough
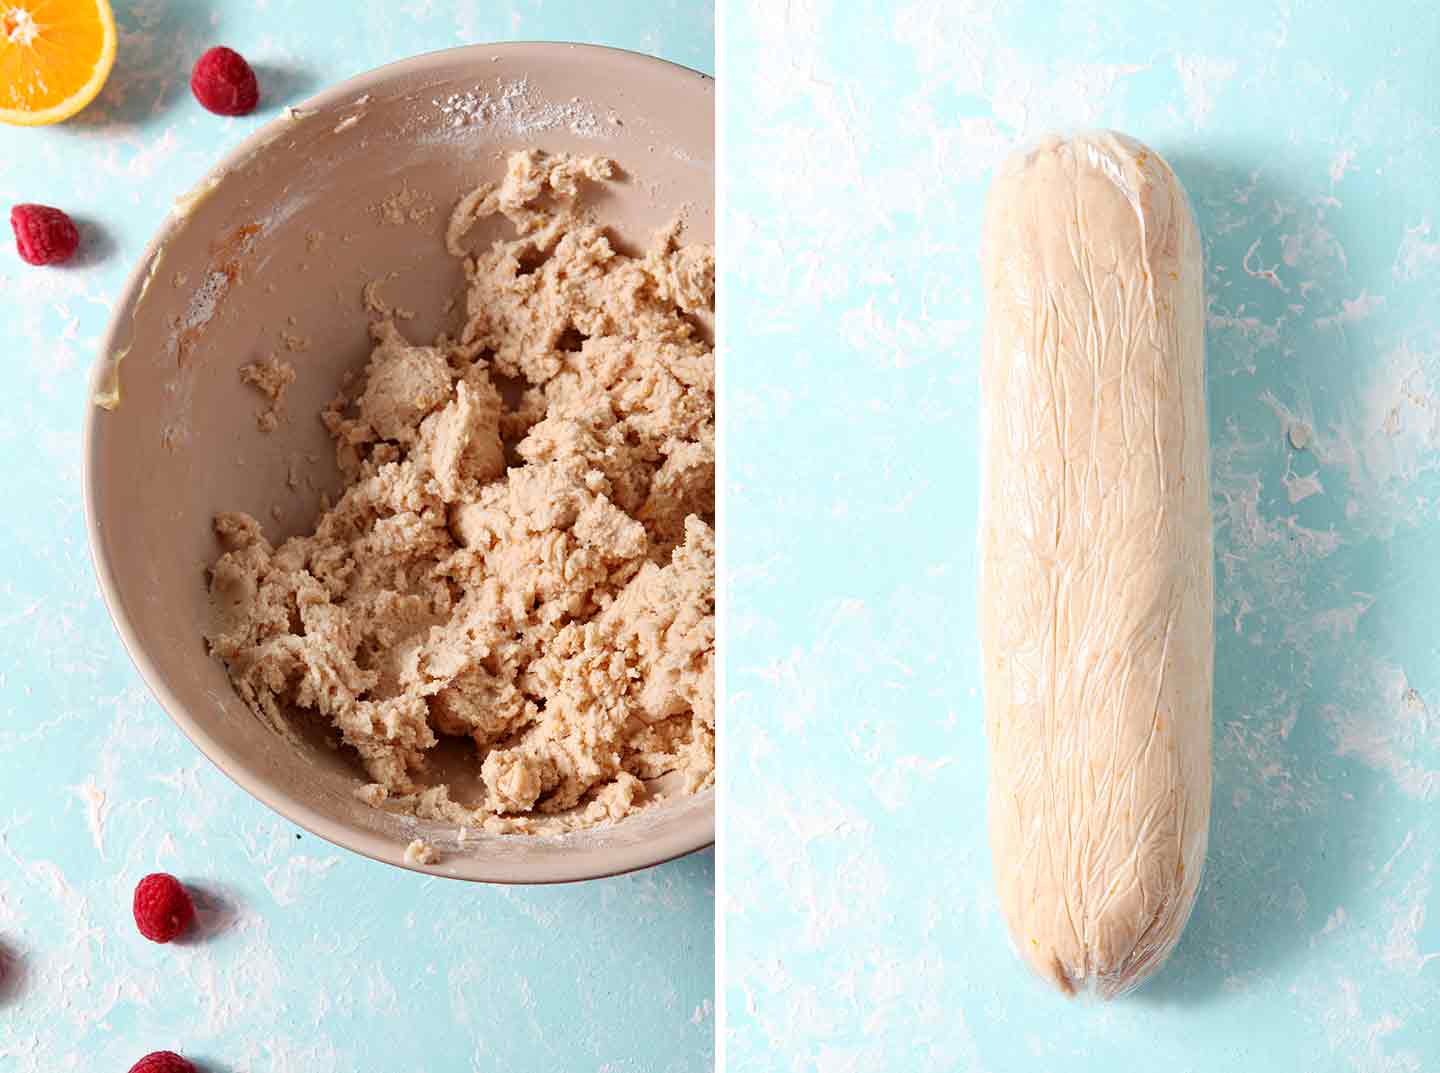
x=272, y=378
x=536, y=577
x=421, y=852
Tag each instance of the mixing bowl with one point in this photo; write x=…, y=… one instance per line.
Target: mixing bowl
x=270, y=253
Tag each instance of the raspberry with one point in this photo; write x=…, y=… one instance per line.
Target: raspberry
x=162, y=1062
x=162, y=907
x=44, y=236
x=224, y=83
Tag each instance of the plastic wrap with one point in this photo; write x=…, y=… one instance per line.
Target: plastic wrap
x=1096, y=591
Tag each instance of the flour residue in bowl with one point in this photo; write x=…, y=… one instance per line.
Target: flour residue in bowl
x=523, y=554
x=515, y=107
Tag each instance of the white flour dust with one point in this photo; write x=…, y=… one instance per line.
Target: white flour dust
x=515, y=107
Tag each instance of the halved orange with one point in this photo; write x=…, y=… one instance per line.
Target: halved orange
x=54, y=57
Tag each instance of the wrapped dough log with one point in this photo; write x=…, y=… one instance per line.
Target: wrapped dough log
x=1096, y=592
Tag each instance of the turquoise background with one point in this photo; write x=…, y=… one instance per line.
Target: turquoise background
x=861, y=929
x=311, y=959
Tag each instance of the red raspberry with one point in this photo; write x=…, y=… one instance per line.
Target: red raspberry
x=162, y=907
x=44, y=236
x=224, y=83
x=162, y=1062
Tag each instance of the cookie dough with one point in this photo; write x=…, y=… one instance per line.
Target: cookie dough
x=1096, y=588
x=523, y=552
x=421, y=852
x=272, y=378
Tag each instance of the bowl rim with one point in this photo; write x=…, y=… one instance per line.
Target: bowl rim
x=560, y=868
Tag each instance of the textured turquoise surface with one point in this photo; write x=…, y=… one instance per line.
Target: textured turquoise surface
x=862, y=931
x=311, y=960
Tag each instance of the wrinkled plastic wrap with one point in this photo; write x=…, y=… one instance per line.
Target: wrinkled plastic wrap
x=1096, y=590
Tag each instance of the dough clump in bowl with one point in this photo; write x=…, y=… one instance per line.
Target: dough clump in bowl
x=523, y=552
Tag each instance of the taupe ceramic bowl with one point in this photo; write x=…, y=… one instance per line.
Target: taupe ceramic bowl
x=270, y=254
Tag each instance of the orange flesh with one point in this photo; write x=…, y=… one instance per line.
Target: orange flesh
x=49, y=50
